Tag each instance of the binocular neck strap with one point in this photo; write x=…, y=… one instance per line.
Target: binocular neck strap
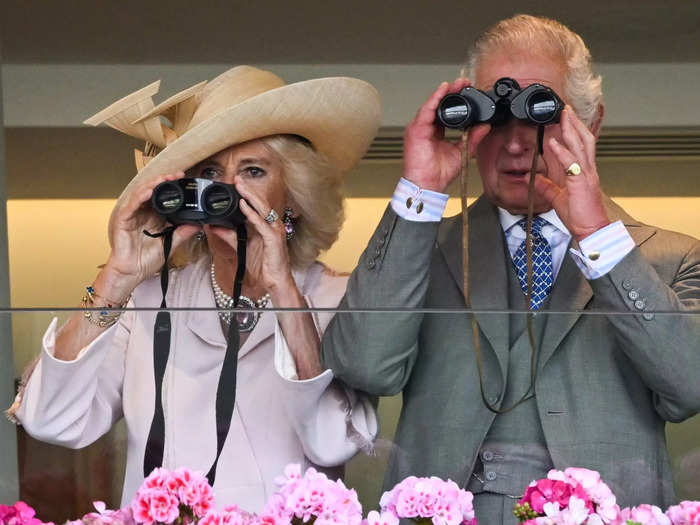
x=530, y=392
x=226, y=389
x=153, y=455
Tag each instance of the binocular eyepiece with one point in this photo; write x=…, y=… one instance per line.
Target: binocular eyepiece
x=198, y=201
x=536, y=104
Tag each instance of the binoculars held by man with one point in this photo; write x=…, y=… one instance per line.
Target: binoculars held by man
x=536, y=104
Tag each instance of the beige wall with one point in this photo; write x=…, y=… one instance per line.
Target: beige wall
x=55, y=247
x=31, y=90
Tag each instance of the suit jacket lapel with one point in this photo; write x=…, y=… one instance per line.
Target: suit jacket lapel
x=488, y=278
x=571, y=292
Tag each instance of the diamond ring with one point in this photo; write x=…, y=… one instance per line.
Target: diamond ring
x=271, y=217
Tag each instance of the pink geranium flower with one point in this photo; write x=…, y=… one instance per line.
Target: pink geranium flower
x=311, y=495
x=443, y=502
x=198, y=495
x=19, y=514
x=543, y=491
x=166, y=496
x=158, y=479
x=155, y=505
x=570, y=497
x=643, y=515
x=233, y=515
x=687, y=513
x=385, y=518
x=105, y=516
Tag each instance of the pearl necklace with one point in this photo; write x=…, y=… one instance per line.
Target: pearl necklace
x=246, y=320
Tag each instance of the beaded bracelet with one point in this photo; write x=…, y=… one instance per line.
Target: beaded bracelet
x=103, y=318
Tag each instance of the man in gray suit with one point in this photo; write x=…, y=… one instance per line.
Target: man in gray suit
x=605, y=384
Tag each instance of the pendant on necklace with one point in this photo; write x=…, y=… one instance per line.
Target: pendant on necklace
x=246, y=320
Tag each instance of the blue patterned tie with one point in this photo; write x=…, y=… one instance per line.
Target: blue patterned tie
x=542, y=277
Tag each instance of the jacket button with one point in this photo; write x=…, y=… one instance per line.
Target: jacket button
x=371, y=264
x=491, y=475
x=627, y=284
x=634, y=295
x=639, y=304
x=378, y=252
x=648, y=316
x=487, y=455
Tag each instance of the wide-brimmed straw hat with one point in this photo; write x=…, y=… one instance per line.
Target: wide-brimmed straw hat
x=339, y=116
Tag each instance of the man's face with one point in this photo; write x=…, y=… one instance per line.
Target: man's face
x=504, y=156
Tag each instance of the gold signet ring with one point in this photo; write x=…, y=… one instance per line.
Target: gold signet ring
x=574, y=169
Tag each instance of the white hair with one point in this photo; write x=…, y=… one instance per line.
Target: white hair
x=551, y=38
x=315, y=189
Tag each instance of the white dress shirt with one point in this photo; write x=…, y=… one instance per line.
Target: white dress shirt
x=597, y=254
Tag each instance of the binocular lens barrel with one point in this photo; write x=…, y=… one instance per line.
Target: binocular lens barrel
x=541, y=107
x=217, y=199
x=536, y=104
x=167, y=198
x=454, y=111
x=196, y=200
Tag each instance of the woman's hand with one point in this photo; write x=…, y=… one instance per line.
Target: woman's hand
x=135, y=256
x=267, y=261
x=268, y=267
x=430, y=161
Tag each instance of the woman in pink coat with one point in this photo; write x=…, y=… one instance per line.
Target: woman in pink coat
x=284, y=147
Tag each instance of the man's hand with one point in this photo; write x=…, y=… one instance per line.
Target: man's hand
x=577, y=199
x=430, y=161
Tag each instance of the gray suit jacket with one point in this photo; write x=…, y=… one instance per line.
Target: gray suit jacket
x=606, y=384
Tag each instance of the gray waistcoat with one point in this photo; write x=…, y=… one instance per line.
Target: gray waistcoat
x=515, y=452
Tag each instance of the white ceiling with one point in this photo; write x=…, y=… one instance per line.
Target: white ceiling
x=325, y=31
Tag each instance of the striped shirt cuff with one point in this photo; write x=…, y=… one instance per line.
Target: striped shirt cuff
x=414, y=204
x=602, y=250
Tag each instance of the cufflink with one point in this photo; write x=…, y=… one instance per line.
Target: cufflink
x=419, y=206
x=594, y=255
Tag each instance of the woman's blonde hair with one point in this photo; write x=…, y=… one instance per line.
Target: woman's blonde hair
x=553, y=39
x=315, y=190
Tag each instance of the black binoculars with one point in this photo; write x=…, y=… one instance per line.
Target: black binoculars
x=198, y=201
x=536, y=104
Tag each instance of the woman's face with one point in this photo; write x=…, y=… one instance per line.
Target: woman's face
x=250, y=164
